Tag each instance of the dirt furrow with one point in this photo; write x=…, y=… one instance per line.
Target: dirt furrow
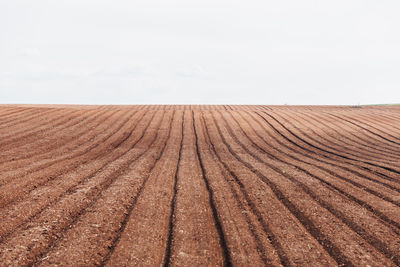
x=41, y=197
x=54, y=143
x=244, y=219
x=385, y=135
x=390, y=169
x=49, y=140
x=334, y=203
x=309, y=215
x=298, y=146
x=195, y=239
x=103, y=221
x=323, y=141
x=277, y=219
x=214, y=185
x=19, y=118
x=135, y=244
x=352, y=138
x=31, y=133
x=360, y=184
x=36, y=120
x=74, y=203
x=355, y=132
x=12, y=114
x=49, y=169
x=360, y=181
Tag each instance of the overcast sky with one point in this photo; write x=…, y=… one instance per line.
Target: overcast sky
x=205, y=51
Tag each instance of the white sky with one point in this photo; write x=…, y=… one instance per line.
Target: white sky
x=205, y=51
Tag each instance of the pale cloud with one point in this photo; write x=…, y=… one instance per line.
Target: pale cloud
x=195, y=71
x=211, y=51
x=30, y=52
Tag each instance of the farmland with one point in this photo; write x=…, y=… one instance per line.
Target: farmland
x=199, y=185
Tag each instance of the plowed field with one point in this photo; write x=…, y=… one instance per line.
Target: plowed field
x=199, y=185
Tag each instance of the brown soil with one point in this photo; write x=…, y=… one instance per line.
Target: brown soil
x=152, y=185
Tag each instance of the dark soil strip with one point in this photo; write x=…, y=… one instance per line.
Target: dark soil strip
x=356, y=228
x=335, y=147
x=383, y=147
x=134, y=199
x=120, y=171
x=368, y=130
x=71, y=189
x=333, y=153
x=371, y=191
x=168, y=247
x=334, y=251
x=268, y=232
x=324, y=156
x=218, y=225
x=52, y=177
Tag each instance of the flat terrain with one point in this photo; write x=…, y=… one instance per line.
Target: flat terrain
x=199, y=185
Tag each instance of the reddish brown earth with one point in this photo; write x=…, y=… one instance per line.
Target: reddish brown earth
x=199, y=185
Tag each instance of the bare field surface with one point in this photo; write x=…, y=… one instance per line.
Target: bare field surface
x=197, y=185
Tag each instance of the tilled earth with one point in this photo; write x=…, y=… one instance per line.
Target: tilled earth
x=199, y=185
